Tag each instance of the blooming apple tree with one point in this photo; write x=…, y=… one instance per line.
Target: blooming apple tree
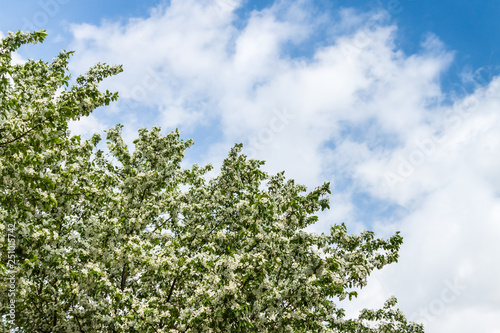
x=132, y=242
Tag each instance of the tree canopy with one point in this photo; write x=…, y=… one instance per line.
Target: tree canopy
x=122, y=241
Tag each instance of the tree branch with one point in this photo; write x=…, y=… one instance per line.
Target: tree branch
x=124, y=277
x=3, y=144
x=171, y=289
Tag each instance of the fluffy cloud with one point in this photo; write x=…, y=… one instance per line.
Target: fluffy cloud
x=359, y=112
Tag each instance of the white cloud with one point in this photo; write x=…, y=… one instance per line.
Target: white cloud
x=87, y=126
x=359, y=109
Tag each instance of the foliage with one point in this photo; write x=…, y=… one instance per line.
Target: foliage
x=131, y=242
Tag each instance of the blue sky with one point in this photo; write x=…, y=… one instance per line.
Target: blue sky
x=469, y=28
x=396, y=103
